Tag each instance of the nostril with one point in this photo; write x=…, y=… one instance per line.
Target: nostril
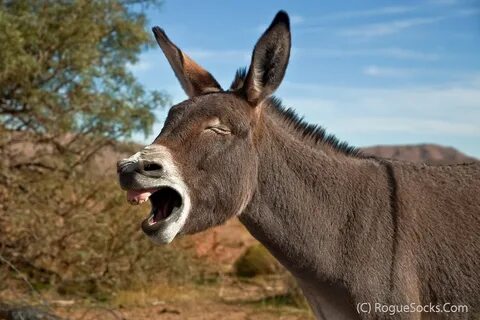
x=152, y=167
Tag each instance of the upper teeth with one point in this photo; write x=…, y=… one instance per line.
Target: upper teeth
x=137, y=201
x=138, y=197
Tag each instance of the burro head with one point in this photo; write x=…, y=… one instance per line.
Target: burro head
x=202, y=168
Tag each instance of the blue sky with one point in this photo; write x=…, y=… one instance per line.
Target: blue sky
x=371, y=72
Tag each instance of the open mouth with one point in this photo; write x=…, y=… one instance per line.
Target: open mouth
x=165, y=201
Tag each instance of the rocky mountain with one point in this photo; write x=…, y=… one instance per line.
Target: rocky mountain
x=428, y=153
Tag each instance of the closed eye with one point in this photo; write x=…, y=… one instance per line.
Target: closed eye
x=219, y=130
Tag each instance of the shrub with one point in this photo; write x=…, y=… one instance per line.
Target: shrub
x=256, y=261
x=78, y=234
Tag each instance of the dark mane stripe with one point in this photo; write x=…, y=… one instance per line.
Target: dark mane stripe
x=312, y=132
x=240, y=76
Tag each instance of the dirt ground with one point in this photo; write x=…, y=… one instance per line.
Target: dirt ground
x=227, y=298
x=231, y=300
x=193, y=310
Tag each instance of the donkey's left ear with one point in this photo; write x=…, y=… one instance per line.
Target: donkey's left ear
x=194, y=79
x=269, y=60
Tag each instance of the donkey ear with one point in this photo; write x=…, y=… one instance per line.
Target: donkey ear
x=269, y=60
x=194, y=79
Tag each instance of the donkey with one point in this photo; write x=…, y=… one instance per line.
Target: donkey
x=365, y=237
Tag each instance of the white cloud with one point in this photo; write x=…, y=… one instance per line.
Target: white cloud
x=389, y=52
x=396, y=26
x=386, y=28
x=468, y=12
x=464, y=93
x=408, y=125
x=140, y=66
x=296, y=19
x=219, y=54
x=452, y=109
x=443, y=2
x=383, y=11
x=407, y=54
x=376, y=71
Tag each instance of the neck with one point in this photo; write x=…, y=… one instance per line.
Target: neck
x=315, y=205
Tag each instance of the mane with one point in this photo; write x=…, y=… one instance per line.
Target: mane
x=239, y=79
x=311, y=132
x=308, y=132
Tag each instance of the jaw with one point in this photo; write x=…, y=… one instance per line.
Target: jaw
x=170, y=206
x=166, y=190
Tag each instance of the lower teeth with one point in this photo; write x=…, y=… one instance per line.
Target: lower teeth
x=150, y=220
x=153, y=219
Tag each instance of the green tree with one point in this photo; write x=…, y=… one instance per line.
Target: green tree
x=64, y=77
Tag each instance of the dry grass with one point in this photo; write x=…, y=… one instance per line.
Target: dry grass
x=161, y=293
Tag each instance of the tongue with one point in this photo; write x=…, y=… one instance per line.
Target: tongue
x=137, y=197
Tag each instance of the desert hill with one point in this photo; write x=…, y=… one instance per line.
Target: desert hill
x=428, y=153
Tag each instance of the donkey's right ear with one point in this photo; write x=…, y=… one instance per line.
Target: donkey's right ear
x=194, y=79
x=269, y=60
